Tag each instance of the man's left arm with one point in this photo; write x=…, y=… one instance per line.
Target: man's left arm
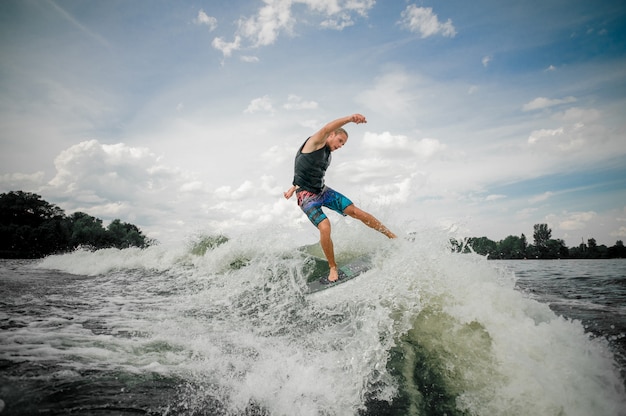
x=289, y=193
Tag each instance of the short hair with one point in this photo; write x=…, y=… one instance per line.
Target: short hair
x=340, y=130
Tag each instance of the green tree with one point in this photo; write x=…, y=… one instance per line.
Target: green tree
x=617, y=251
x=556, y=249
x=25, y=208
x=124, y=235
x=512, y=247
x=592, y=248
x=483, y=246
x=87, y=231
x=30, y=226
x=541, y=236
x=524, y=243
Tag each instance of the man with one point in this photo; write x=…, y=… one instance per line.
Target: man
x=312, y=160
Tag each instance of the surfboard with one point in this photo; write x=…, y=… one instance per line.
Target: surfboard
x=346, y=272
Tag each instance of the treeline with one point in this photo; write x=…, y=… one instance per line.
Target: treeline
x=543, y=247
x=31, y=227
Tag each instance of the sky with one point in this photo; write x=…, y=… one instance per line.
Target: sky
x=484, y=117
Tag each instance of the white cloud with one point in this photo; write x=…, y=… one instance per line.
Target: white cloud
x=340, y=14
x=525, y=213
x=227, y=48
x=275, y=155
x=205, y=19
x=542, y=197
x=543, y=102
x=126, y=182
x=540, y=135
x=113, y=172
x=396, y=192
x=249, y=59
x=486, y=61
x=556, y=139
x=263, y=104
x=192, y=186
x=619, y=233
x=297, y=103
x=277, y=17
x=402, y=146
x=264, y=28
x=571, y=221
x=428, y=148
x=583, y=135
x=338, y=23
x=228, y=193
x=18, y=181
x=390, y=95
x=494, y=197
x=579, y=116
x=422, y=20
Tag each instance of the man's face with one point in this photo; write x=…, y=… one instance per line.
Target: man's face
x=336, y=141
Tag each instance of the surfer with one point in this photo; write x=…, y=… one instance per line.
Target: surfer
x=312, y=160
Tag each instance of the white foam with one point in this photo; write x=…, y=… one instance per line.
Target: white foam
x=237, y=318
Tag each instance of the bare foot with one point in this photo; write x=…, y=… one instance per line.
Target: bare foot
x=332, y=275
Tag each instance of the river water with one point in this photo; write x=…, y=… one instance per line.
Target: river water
x=230, y=331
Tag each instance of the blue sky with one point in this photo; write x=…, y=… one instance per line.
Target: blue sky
x=484, y=118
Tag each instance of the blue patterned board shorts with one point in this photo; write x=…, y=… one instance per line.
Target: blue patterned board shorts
x=312, y=203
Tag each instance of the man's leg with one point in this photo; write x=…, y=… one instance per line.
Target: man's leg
x=327, y=247
x=368, y=219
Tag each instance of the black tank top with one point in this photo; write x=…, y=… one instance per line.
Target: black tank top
x=310, y=168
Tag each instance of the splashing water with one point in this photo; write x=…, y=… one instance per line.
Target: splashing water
x=227, y=328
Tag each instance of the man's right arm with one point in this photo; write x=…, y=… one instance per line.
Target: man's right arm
x=318, y=140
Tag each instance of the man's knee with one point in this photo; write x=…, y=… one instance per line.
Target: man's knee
x=350, y=210
x=354, y=212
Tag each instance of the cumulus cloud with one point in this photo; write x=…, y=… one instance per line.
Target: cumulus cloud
x=262, y=104
x=543, y=102
x=341, y=15
x=297, y=103
x=565, y=139
x=422, y=20
x=580, y=132
x=18, y=181
x=570, y=221
x=391, y=94
x=205, y=19
x=126, y=182
x=264, y=28
x=279, y=17
x=95, y=172
x=228, y=193
x=132, y=183
x=225, y=47
x=276, y=155
x=391, y=193
x=542, y=134
x=338, y=23
x=424, y=149
x=486, y=61
x=249, y=59
x=619, y=233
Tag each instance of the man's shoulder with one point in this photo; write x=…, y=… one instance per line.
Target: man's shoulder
x=310, y=145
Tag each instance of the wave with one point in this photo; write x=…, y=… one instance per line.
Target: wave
x=425, y=331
